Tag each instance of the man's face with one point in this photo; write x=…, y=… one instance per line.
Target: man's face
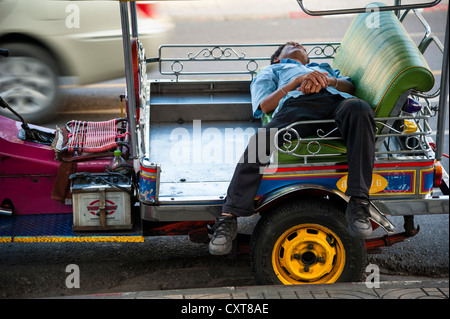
x=294, y=51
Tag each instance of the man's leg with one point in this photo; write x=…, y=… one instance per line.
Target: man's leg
x=242, y=190
x=247, y=175
x=355, y=120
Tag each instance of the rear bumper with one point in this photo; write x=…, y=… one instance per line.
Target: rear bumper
x=405, y=207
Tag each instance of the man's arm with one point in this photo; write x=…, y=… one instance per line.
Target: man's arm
x=342, y=85
x=316, y=78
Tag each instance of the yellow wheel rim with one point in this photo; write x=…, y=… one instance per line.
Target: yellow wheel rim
x=308, y=253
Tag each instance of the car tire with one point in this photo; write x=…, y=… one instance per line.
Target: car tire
x=29, y=82
x=306, y=242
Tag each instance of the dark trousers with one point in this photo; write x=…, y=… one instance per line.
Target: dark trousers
x=355, y=122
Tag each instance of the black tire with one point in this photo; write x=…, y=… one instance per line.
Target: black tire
x=29, y=82
x=295, y=243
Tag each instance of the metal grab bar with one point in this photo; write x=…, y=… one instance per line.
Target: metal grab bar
x=362, y=10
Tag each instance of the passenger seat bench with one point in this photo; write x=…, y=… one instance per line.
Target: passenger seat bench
x=384, y=65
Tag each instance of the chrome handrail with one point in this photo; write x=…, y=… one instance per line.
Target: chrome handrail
x=368, y=9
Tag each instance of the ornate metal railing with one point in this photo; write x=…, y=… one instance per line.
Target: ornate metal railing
x=231, y=59
x=394, y=132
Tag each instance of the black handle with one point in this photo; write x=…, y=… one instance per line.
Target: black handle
x=3, y=103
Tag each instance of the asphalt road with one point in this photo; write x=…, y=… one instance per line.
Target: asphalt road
x=35, y=270
x=32, y=270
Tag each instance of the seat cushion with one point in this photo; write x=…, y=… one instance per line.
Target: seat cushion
x=382, y=60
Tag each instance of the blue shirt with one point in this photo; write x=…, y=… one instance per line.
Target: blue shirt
x=277, y=75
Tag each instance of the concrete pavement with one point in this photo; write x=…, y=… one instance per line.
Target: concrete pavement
x=402, y=289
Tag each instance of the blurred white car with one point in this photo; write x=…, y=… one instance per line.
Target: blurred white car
x=50, y=40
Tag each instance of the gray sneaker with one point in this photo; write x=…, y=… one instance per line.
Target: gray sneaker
x=225, y=231
x=357, y=215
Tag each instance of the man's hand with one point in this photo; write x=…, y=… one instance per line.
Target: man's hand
x=312, y=82
x=309, y=87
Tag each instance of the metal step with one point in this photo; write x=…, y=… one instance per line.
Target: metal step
x=57, y=228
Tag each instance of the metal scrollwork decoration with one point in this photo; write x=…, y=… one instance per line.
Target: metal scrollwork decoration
x=289, y=146
x=216, y=53
x=413, y=143
x=320, y=133
x=177, y=67
x=323, y=51
x=252, y=66
x=309, y=147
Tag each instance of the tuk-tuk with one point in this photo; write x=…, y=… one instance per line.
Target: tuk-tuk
x=178, y=141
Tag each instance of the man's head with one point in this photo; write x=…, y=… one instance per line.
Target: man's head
x=290, y=50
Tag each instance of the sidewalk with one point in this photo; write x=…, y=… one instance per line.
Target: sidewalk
x=414, y=289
